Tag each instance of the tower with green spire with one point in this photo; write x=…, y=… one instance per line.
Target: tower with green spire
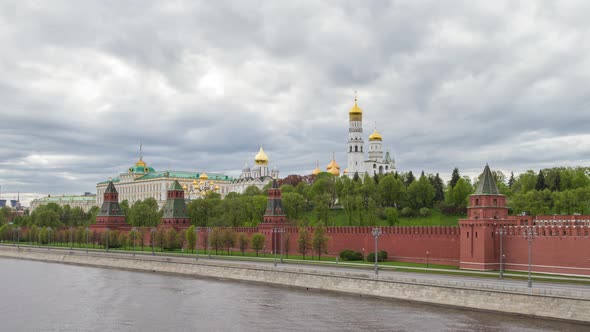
x=175, y=212
x=111, y=215
x=486, y=213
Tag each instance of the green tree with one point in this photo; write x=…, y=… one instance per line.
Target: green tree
x=461, y=193
x=511, y=180
x=303, y=241
x=191, y=238
x=454, y=177
x=540, y=181
x=216, y=239
x=258, y=242
x=320, y=240
x=171, y=242
x=421, y=193
x=243, y=242
x=228, y=237
x=392, y=215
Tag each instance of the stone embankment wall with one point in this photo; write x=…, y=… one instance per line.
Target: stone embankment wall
x=541, y=303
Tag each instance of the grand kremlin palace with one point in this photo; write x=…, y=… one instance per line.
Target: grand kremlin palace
x=141, y=181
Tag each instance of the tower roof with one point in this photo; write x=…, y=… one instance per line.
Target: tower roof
x=110, y=188
x=375, y=136
x=176, y=186
x=487, y=185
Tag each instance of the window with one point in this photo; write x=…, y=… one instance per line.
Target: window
x=374, y=165
x=495, y=202
x=477, y=201
x=356, y=148
x=476, y=235
x=467, y=234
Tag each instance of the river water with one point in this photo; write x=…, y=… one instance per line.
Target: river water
x=39, y=296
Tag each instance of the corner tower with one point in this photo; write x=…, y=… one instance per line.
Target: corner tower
x=487, y=211
x=356, y=156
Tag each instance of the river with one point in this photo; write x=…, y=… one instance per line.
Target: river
x=40, y=296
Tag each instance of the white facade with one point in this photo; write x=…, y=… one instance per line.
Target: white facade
x=85, y=202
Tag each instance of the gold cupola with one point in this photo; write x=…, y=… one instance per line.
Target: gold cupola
x=355, y=113
x=375, y=136
x=261, y=158
x=317, y=169
x=333, y=166
x=203, y=176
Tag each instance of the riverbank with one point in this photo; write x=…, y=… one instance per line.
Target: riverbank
x=565, y=304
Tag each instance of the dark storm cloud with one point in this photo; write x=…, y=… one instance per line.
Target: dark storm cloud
x=204, y=83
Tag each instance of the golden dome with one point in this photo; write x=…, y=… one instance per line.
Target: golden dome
x=334, y=171
x=261, y=158
x=345, y=171
x=316, y=171
x=375, y=136
x=184, y=187
x=203, y=176
x=333, y=164
x=355, y=110
x=140, y=163
x=195, y=183
x=217, y=188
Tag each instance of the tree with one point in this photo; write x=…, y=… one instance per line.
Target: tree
x=461, y=193
x=540, y=181
x=243, y=242
x=229, y=239
x=216, y=239
x=439, y=188
x=258, y=242
x=511, y=180
x=410, y=178
x=392, y=215
x=320, y=240
x=191, y=238
x=454, y=178
x=304, y=241
x=171, y=242
x=421, y=193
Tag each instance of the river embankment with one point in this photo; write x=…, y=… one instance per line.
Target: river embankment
x=562, y=304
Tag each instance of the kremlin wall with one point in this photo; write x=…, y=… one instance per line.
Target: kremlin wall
x=559, y=245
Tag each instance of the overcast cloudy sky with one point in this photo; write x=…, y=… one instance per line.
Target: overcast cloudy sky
x=204, y=83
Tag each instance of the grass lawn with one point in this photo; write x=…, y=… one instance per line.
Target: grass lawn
x=338, y=217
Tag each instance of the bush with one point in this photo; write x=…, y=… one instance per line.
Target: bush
x=407, y=212
x=424, y=212
x=351, y=255
x=381, y=257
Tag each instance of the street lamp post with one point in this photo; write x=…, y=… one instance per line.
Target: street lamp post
x=48, y=237
x=427, y=257
x=501, y=232
x=209, y=229
x=281, y=231
x=107, y=244
x=376, y=234
x=274, y=242
x=134, y=230
x=18, y=237
x=196, y=243
x=71, y=239
x=530, y=234
x=152, y=237
x=87, y=236
x=39, y=239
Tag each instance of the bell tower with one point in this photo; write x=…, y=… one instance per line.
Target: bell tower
x=355, y=153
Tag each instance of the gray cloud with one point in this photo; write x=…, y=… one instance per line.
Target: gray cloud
x=203, y=84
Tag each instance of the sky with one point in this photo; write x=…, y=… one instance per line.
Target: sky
x=203, y=84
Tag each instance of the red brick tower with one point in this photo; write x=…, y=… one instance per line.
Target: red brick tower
x=110, y=215
x=175, y=212
x=274, y=217
x=486, y=212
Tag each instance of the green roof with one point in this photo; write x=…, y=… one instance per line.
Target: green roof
x=141, y=169
x=176, y=186
x=71, y=198
x=184, y=175
x=487, y=185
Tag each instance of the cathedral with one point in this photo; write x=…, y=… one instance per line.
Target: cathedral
x=258, y=176
x=357, y=162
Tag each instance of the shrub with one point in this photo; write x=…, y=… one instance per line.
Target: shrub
x=407, y=212
x=351, y=255
x=424, y=212
x=381, y=257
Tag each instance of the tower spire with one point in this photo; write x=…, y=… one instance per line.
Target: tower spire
x=355, y=97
